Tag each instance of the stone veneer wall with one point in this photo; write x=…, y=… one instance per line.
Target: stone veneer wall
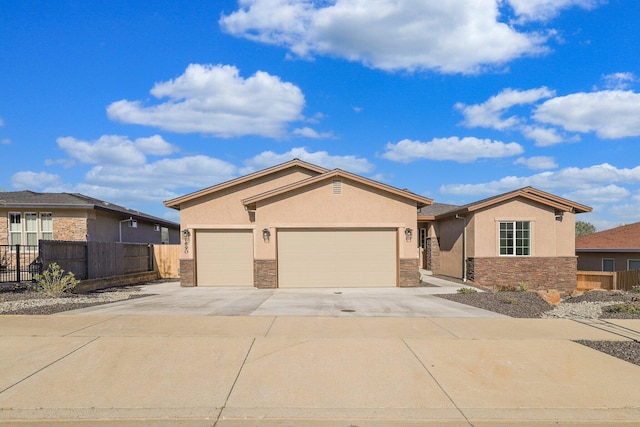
x=409, y=273
x=265, y=273
x=536, y=272
x=4, y=229
x=435, y=255
x=187, y=272
x=69, y=228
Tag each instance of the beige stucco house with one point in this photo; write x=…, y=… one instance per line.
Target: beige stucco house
x=28, y=216
x=299, y=225
x=526, y=235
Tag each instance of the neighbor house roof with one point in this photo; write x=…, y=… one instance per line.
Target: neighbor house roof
x=336, y=173
x=295, y=163
x=528, y=193
x=620, y=239
x=33, y=200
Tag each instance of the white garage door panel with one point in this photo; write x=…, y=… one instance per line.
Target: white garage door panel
x=336, y=258
x=224, y=258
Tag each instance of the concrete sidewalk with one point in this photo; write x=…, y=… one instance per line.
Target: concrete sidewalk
x=280, y=371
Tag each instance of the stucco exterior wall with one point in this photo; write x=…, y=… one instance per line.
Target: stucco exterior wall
x=592, y=261
x=358, y=206
x=224, y=209
x=450, y=236
x=550, y=237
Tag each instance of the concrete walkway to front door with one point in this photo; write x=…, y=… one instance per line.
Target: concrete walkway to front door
x=171, y=299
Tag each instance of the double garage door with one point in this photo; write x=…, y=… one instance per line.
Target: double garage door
x=306, y=258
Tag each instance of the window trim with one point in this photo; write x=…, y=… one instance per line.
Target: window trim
x=629, y=260
x=24, y=233
x=514, y=239
x=48, y=215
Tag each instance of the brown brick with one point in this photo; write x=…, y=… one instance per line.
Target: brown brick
x=265, y=273
x=537, y=273
x=69, y=229
x=187, y=272
x=409, y=273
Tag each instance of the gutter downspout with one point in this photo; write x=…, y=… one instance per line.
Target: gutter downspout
x=464, y=247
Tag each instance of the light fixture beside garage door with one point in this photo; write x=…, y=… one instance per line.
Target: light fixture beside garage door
x=408, y=234
x=266, y=235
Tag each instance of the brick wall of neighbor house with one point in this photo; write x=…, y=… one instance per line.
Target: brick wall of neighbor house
x=187, y=272
x=69, y=228
x=537, y=272
x=409, y=273
x=4, y=230
x=265, y=273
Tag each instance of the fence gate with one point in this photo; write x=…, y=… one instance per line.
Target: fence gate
x=18, y=263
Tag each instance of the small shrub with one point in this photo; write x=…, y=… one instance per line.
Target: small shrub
x=53, y=282
x=506, y=288
x=624, y=308
x=523, y=287
x=635, y=289
x=466, y=291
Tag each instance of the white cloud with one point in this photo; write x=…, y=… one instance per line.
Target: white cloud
x=216, y=100
x=537, y=162
x=307, y=132
x=544, y=136
x=542, y=10
x=600, y=194
x=456, y=36
x=115, y=149
x=5, y=141
x=462, y=150
x=568, y=179
x=489, y=113
x=28, y=180
x=610, y=114
x=1, y=122
x=266, y=159
x=618, y=81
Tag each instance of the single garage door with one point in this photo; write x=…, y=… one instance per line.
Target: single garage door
x=336, y=258
x=224, y=258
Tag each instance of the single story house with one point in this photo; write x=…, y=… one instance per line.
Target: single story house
x=28, y=216
x=299, y=225
x=523, y=236
x=616, y=249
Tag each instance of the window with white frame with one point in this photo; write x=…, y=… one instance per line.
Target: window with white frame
x=164, y=234
x=28, y=227
x=515, y=238
x=608, y=264
x=46, y=224
x=633, y=264
x=15, y=229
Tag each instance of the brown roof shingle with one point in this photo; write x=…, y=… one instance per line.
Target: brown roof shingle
x=623, y=237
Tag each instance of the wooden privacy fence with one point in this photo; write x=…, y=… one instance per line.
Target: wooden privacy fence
x=166, y=259
x=618, y=280
x=93, y=260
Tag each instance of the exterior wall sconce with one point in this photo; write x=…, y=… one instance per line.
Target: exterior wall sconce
x=186, y=235
x=408, y=234
x=266, y=234
x=559, y=215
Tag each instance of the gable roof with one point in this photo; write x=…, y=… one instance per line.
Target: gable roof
x=175, y=203
x=33, y=200
x=623, y=237
x=336, y=173
x=528, y=193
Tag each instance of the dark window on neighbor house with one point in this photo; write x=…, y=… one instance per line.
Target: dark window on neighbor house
x=608, y=264
x=515, y=238
x=423, y=238
x=633, y=264
x=164, y=235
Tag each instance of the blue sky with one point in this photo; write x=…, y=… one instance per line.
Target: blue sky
x=140, y=102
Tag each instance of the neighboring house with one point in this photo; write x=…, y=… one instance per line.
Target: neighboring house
x=524, y=236
x=616, y=249
x=299, y=225
x=27, y=216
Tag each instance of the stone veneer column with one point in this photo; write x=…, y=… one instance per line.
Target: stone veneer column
x=409, y=273
x=265, y=273
x=187, y=273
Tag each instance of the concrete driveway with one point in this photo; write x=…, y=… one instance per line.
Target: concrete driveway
x=171, y=299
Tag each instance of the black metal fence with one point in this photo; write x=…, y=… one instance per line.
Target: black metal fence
x=18, y=263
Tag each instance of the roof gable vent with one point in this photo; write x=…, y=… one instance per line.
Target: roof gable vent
x=337, y=186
